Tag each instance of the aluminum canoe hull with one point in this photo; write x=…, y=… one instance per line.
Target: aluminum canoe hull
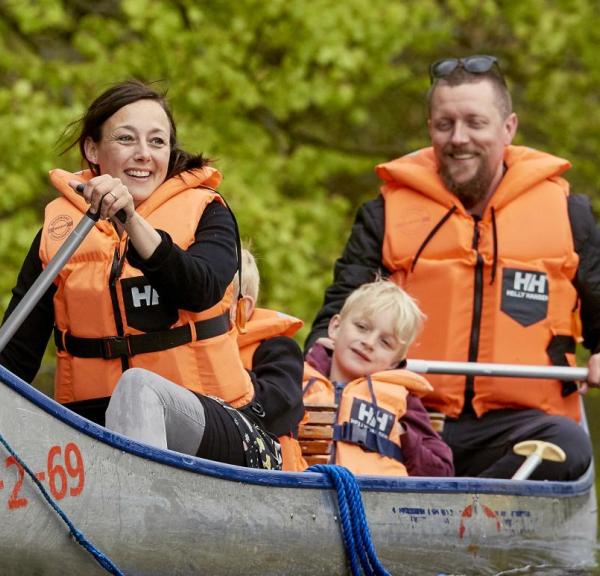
x=157, y=512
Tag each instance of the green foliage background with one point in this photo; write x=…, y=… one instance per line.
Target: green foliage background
x=295, y=100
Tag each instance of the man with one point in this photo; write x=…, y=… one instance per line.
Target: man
x=502, y=260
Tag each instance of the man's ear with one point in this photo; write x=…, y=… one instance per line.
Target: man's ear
x=510, y=128
x=334, y=326
x=91, y=150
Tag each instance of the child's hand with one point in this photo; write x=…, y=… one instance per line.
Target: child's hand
x=325, y=342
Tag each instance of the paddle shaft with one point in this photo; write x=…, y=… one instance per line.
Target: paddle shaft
x=526, y=469
x=43, y=281
x=506, y=370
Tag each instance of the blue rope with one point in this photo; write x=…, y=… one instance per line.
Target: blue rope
x=355, y=529
x=101, y=558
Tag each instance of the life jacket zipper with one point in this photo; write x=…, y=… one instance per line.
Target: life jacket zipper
x=476, y=319
x=116, y=270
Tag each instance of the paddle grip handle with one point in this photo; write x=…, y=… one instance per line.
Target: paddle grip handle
x=95, y=216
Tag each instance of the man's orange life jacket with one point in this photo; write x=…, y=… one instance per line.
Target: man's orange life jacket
x=262, y=325
x=367, y=433
x=108, y=317
x=497, y=289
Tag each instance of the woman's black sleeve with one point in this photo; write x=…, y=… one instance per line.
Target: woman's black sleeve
x=23, y=354
x=194, y=279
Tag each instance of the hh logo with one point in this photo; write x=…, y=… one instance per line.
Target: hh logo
x=530, y=282
x=367, y=414
x=146, y=296
x=524, y=295
x=144, y=309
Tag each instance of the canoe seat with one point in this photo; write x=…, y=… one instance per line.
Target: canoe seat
x=437, y=419
x=316, y=432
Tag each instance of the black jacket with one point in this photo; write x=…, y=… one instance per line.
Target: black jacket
x=277, y=368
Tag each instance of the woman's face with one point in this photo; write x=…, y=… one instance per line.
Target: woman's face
x=135, y=147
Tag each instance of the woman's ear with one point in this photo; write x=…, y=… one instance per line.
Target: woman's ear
x=91, y=150
x=334, y=326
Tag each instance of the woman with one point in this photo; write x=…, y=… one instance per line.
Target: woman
x=151, y=292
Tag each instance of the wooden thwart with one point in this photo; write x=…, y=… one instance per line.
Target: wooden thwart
x=316, y=433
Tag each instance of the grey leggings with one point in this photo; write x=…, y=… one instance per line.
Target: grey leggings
x=151, y=409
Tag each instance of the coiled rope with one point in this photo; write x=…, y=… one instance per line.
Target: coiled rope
x=101, y=558
x=355, y=529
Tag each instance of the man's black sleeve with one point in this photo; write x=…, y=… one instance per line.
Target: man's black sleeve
x=586, y=236
x=360, y=263
x=23, y=354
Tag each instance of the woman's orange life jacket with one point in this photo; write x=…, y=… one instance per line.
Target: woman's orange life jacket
x=101, y=297
x=262, y=325
x=494, y=290
x=367, y=433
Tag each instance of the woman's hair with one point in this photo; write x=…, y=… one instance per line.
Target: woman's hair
x=112, y=100
x=385, y=296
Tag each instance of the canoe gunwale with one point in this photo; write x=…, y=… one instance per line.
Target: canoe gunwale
x=309, y=480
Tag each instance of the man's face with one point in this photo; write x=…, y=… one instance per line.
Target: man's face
x=469, y=134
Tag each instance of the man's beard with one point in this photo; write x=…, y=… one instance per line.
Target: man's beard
x=472, y=191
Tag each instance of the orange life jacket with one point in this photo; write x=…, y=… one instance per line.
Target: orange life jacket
x=262, y=325
x=101, y=300
x=498, y=290
x=367, y=434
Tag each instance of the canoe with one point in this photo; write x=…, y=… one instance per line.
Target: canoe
x=158, y=512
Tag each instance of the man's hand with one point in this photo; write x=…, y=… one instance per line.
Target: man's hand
x=593, y=379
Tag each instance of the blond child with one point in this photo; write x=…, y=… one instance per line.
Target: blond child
x=381, y=425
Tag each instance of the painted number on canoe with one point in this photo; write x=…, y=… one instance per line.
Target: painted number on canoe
x=64, y=474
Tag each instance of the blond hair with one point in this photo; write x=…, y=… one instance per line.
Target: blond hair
x=385, y=296
x=250, y=277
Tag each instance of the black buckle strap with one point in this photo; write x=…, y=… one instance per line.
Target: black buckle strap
x=557, y=350
x=112, y=347
x=367, y=439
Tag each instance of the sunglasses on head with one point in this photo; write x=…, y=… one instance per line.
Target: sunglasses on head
x=479, y=64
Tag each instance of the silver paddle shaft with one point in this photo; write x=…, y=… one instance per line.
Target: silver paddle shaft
x=507, y=370
x=43, y=281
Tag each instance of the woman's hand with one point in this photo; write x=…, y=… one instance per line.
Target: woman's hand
x=107, y=195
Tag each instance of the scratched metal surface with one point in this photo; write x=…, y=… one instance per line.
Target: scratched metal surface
x=157, y=513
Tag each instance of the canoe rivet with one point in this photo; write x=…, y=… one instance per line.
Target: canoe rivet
x=292, y=515
x=314, y=516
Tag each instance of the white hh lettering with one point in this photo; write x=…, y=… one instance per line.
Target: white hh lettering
x=529, y=282
x=366, y=413
x=383, y=420
x=148, y=295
